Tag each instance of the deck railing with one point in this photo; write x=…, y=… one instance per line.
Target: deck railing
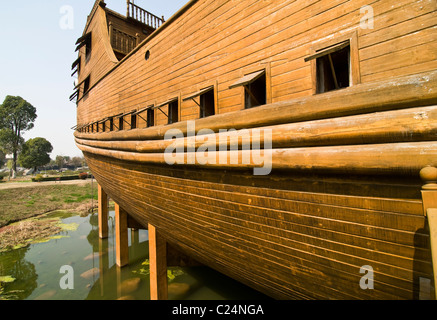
x=121, y=41
x=143, y=16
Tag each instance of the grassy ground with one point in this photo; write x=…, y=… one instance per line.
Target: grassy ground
x=20, y=203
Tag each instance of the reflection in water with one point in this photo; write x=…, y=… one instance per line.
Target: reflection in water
x=96, y=276
x=15, y=265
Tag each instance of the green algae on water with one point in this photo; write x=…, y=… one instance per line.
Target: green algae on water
x=172, y=273
x=34, y=231
x=6, y=279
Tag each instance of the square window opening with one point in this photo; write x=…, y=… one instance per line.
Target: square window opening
x=88, y=48
x=120, y=123
x=255, y=93
x=173, y=109
x=207, y=104
x=333, y=70
x=133, y=121
x=150, y=118
x=86, y=85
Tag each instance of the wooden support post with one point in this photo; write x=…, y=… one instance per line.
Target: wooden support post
x=121, y=237
x=429, y=198
x=103, y=264
x=158, y=265
x=432, y=222
x=103, y=213
x=429, y=190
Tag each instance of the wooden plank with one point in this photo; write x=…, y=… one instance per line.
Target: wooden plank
x=247, y=79
x=327, y=51
x=198, y=93
x=158, y=265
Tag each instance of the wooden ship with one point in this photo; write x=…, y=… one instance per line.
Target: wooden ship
x=347, y=91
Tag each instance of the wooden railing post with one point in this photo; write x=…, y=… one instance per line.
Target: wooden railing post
x=429, y=198
x=143, y=16
x=137, y=40
x=127, y=10
x=111, y=33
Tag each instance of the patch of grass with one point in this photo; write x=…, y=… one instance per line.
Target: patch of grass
x=78, y=198
x=19, y=204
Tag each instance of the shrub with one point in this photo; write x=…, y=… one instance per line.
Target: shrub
x=38, y=178
x=83, y=175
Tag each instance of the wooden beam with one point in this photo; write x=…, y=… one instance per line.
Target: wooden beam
x=121, y=237
x=158, y=265
x=103, y=213
x=357, y=159
x=381, y=127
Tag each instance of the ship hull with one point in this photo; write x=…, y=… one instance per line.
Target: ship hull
x=338, y=213
x=293, y=236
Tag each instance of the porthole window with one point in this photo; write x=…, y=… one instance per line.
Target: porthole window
x=147, y=56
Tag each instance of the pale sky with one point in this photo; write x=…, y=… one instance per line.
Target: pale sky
x=36, y=54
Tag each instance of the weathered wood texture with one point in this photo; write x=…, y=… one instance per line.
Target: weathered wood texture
x=220, y=41
x=302, y=236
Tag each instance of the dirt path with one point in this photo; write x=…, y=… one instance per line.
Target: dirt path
x=17, y=185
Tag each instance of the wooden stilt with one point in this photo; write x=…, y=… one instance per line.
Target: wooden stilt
x=158, y=265
x=119, y=282
x=103, y=264
x=429, y=199
x=429, y=190
x=103, y=213
x=121, y=237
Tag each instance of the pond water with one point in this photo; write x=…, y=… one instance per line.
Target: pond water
x=36, y=269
